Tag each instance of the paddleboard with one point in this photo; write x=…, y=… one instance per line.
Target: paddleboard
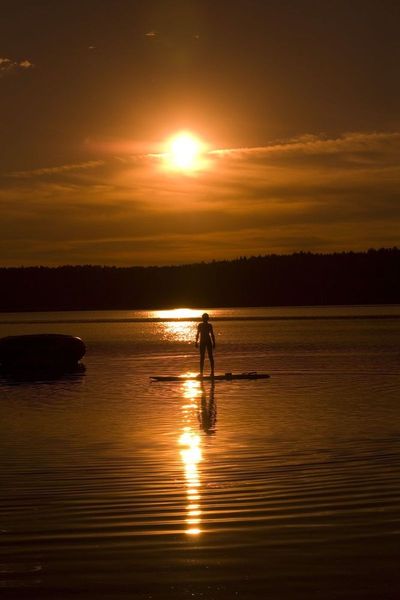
x=223, y=377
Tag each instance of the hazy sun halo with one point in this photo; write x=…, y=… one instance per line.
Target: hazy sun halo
x=184, y=151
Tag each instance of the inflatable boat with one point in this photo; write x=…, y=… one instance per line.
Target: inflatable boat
x=41, y=351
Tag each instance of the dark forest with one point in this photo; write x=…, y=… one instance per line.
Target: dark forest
x=371, y=277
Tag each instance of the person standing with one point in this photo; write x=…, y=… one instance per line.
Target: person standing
x=205, y=334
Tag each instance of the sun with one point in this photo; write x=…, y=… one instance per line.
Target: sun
x=185, y=152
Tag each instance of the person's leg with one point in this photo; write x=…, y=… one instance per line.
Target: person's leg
x=202, y=355
x=210, y=357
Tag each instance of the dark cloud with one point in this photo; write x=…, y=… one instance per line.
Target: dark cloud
x=8, y=65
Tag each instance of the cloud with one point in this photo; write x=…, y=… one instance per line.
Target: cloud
x=309, y=193
x=90, y=164
x=7, y=65
x=351, y=147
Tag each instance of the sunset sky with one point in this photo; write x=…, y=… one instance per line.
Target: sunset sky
x=294, y=105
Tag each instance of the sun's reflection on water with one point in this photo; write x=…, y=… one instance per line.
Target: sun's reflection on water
x=191, y=456
x=178, y=331
x=177, y=313
x=177, y=328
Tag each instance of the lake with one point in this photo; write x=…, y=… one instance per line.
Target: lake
x=114, y=487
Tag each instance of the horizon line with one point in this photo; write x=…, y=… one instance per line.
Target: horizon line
x=207, y=262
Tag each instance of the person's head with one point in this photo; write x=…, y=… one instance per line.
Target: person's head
x=205, y=317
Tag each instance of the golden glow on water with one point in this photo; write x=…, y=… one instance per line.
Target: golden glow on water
x=191, y=456
x=193, y=531
x=178, y=331
x=177, y=313
x=191, y=387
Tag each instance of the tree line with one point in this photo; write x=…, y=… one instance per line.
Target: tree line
x=302, y=278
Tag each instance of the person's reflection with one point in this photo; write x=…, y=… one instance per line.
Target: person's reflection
x=208, y=409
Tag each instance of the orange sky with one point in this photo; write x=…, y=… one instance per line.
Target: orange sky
x=298, y=108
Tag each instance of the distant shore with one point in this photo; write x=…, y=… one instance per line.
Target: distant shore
x=300, y=279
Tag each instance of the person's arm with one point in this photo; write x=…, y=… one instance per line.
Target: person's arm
x=197, y=336
x=212, y=335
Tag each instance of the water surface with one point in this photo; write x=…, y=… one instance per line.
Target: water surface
x=114, y=487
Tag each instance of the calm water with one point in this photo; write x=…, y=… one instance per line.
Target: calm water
x=113, y=487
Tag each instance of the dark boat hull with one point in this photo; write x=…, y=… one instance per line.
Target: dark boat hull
x=40, y=351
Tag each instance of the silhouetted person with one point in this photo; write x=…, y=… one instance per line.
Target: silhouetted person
x=207, y=341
